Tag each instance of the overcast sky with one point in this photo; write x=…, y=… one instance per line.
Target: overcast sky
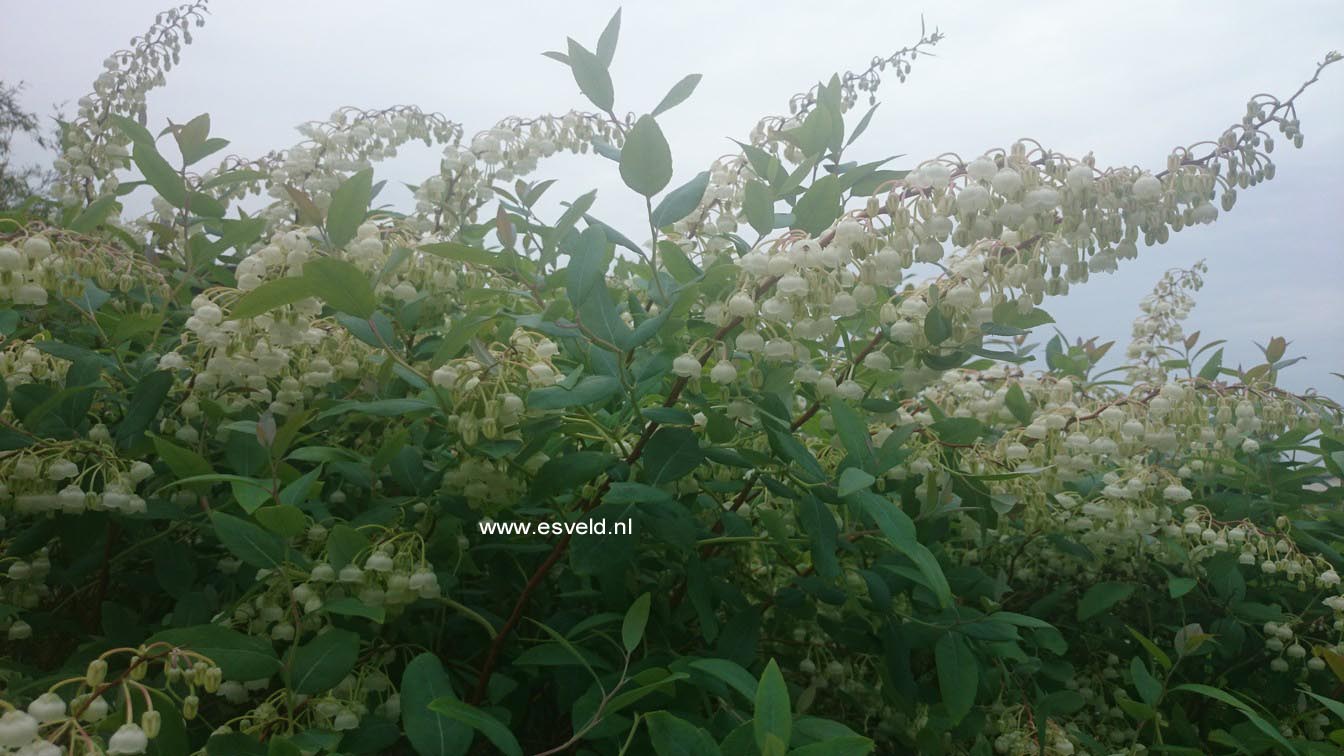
x=1125, y=80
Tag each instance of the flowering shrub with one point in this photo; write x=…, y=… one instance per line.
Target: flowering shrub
x=247, y=463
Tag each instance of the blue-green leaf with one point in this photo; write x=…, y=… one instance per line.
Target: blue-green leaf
x=646, y=159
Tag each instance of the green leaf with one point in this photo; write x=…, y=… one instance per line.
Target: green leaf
x=322, y=663
x=819, y=206
x=673, y=736
x=678, y=93
x=773, y=717
x=958, y=430
x=646, y=159
x=469, y=715
x=205, y=205
x=1149, y=688
x=937, y=328
x=284, y=520
x=1239, y=705
x=1179, y=586
x=377, y=331
x=590, y=390
x=379, y=408
x=853, y=480
x=1334, y=706
x=845, y=745
x=819, y=523
x=430, y=733
x=606, y=44
x=682, y=201
x=93, y=216
x=193, y=140
x=250, y=494
x=591, y=74
x=635, y=493
x=344, y=543
x=1101, y=597
x=958, y=674
x=183, y=462
x=159, y=173
x=863, y=124
x=463, y=330
x=234, y=744
x=341, y=285
x=1158, y=654
x=349, y=206
x=1007, y=313
x=1016, y=401
x=585, y=276
x=279, y=746
x=461, y=253
x=671, y=454
x=853, y=432
x=731, y=673
x=241, y=657
x=566, y=473
x=636, y=617
x=270, y=295
x=248, y=542
x=350, y=606
x=146, y=399
x=233, y=177
x=1213, y=367
x=132, y=129
x=870, y=183
x=758, y=202
x=900, y=531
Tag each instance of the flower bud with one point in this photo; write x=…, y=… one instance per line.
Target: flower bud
x=96, y=673
x=686, y=365
x=150, y=722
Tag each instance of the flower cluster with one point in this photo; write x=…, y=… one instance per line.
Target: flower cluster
x=54, y=724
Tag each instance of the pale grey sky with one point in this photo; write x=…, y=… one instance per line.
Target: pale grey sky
x=1125, y=80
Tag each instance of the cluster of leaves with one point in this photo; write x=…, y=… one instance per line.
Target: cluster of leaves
x=789, y=587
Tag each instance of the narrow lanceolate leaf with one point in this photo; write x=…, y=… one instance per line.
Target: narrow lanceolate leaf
x=772, y=722
x=646, y=158
x=493, y=730
x=159, y=173
x=606, y=44
x=1241, y=706
x=349, y=205
x=341, y=285
x=678, y=93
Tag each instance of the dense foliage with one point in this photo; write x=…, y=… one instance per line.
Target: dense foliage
x=252, y=444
